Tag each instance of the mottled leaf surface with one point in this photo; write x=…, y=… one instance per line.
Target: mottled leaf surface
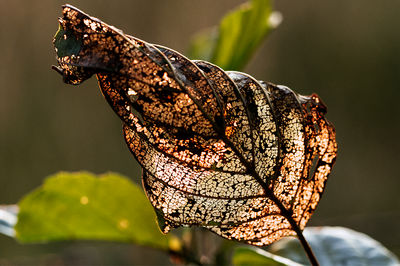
x=247, y=159
x=87, y=207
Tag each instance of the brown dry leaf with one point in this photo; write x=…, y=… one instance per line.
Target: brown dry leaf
x=245, y=158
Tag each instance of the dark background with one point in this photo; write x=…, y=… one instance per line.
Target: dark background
x=346, y=51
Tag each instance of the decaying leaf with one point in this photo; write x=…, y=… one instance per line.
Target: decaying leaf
x=247, y=159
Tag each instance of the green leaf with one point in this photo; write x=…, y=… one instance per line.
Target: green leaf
x=83, y=206
x=66, y=43
x=203, y=44
x=336, y=246
x=255, y=256
x=239, y=34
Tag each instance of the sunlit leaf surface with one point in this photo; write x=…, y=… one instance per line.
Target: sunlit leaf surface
x=83, y=206
x=247, y=159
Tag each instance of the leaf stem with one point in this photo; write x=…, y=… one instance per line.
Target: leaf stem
x=295, y=226
x=306, y=246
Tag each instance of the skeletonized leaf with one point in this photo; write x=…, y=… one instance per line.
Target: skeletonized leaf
x=247, y=159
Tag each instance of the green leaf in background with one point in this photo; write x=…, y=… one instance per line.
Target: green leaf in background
x=336, y=246
x=202, y=45
x=80, y=205
x=239, y=34
x=243, y=256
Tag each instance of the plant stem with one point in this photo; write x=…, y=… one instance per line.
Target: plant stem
x=295, y=227
x=288, y=215
x=306, y=246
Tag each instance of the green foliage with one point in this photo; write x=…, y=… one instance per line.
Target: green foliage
x=83, y=206
x=243, y=256
x=336, y=246
x=239, y=34
x=66, y=43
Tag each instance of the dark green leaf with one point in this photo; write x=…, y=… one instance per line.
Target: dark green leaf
x=256, y=256
x=83, y=206
x=66, y=43
x=239, y=34
x=336, y=246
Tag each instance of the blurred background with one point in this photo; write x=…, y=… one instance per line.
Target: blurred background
x=346, y=51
